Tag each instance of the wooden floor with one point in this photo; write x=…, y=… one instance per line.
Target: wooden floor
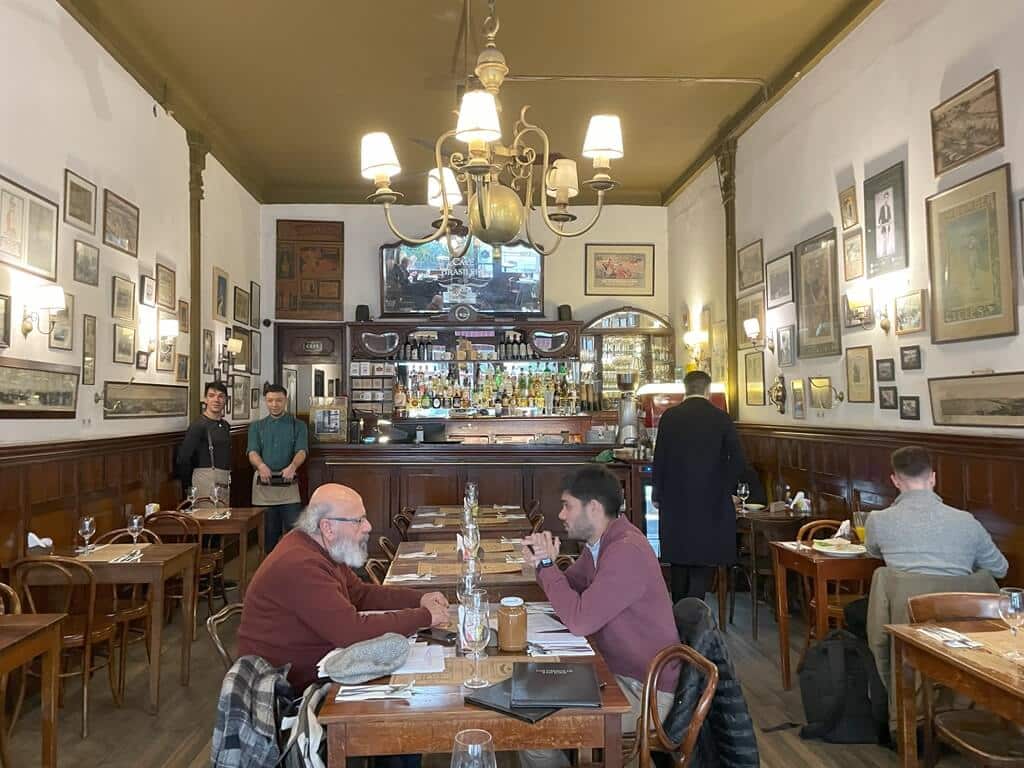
x=179, y=737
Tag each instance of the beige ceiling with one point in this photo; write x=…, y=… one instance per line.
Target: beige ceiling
x=283, y=90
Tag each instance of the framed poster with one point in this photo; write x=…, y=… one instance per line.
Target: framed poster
x=167, y=346
x=799, y=406
x=220, y=295
x=181, y=368
x=778, y=276
x=858, y=308
x=817, y=297
x=313, y=251
x=619, y=270
x=821, y=392
x=910, y=312
x=147, y=291
x=885, y=369
x=970, y=260
x=37, y=390
x=166, y=289
x=241, y=306
x=254, y=399
x=79, y=202
x=28, y=230
x=968, y=124
x=860, y=381
x=124, y=344
x=62, y=323
x=87, y=263
x=5, y=321
x=125, y=400
x=256, y=353
x=184, y=317
x=749, y=307
x=885, y=222
x=749, y=266
x=853, y=255
x=142, y=360
x=209, y=350
x=120, y=224
x=122, y=301
x=910, y=358
x=848, y=207
x=243, y=360
x=910, y=407
x=88, y=350
x=785, y=345
x=986, y=400
x=240, y=398
x=719, y=351
x=753, y=363
x=888, y=398
x=255, y=296
x=290, y=380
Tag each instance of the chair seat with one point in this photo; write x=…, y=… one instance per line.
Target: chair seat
x=980, y=733
x=129, y=612
x=838, y=602
x=207, y=565
x=73, y=630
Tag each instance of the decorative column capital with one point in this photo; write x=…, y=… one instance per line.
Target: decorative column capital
x=725, y=159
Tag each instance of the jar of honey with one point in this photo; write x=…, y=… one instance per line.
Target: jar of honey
x=512, y=624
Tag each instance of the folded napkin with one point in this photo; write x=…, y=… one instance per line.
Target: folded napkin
x=426, y=525
x=844, y=530
x=511, y=517
x=34, y=541
x=506, y=540
x=416, y=555
x=382, y=693
x=512, y=559
x=409, y=577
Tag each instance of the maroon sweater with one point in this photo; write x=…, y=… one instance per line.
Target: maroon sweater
x=622, y=603
x=301, y=604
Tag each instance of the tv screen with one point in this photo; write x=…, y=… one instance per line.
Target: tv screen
x=425, y=279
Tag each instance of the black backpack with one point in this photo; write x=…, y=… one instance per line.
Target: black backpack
x=842, y=693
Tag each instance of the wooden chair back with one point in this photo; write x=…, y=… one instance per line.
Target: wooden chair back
x=56, y=585
x=537, y=523
x=387, y=547
x=186, y=528
x=953, y=606
x=817, y=529
x=10, y=603
x=377, y=570
x=213, y=625
x=401, y=522
x=564, y=561
x=201, y=502
x=533, y=508
x=124, y=536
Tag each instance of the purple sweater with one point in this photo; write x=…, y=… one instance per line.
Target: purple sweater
x=622, y=604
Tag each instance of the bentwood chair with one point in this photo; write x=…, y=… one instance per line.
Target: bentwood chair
x=187, y=531
x=213, y=625
x=377, y=570
x=387, y=547
x=9, y=605
x=564, y=562
x=984, y=738
x=212, y=545
x=401, y=522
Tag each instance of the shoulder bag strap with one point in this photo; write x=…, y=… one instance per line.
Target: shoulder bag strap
x=209, y=445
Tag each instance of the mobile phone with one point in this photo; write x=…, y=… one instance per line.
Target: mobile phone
x=437, y=635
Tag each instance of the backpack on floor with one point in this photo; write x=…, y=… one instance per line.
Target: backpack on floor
x=843, y=696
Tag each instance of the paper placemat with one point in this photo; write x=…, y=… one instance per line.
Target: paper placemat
x=455, y=569
x=481, y=521
x=442, y=547
x=458, y=669
x=104, y=553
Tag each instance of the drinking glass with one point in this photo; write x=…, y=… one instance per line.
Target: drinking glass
x=474, y=633
x=193, y=494
x=215, y=495
x=743, y=491
x=471, y=500
x=860, y=521
x=469, y=580
x=1011, y=609
x=86, y=528
x=473, y=748
x=471, y=540
x=135, y=527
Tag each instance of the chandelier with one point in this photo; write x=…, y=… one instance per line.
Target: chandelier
x=497, y=180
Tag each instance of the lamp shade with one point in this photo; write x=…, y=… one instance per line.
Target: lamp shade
x=752, y=327
x=478, y=118
x=234, y=346
x=695, y=338
x=450, y=186
x=49, y=297
x=378, y=156
x=563, y=176
x=604, y=137
x=169, y=329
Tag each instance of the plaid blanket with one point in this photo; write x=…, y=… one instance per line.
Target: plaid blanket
x=245, y=735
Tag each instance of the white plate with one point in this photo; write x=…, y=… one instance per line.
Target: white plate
x=753, y=507
x=853, y=550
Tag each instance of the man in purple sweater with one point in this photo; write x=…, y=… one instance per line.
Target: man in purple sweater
x=614, y=593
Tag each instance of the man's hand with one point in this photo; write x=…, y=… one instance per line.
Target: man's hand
x=545, y=547
x=438, y=615
x=288, y=473
x=264, y=471
x=434, y=598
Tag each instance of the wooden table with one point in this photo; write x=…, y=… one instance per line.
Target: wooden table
x=822, y=568
x=493, y=522
x=992, y=682
x=242, y=520
x=23, y=637
x=522, y=583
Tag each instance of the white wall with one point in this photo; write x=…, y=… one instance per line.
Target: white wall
x=863, y=108
x=65, y=103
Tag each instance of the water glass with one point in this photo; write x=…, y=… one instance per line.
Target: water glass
x=471, y=540
x=474, y=634
x=86, y=528
x=192, y=494
x=1011, y=609
x=136, y=526
x=469, y=580
x=473, y=748
x=743, y=491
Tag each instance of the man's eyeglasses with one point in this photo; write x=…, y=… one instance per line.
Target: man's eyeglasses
x=356, y=520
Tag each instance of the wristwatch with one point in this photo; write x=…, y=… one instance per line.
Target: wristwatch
x=546, y=562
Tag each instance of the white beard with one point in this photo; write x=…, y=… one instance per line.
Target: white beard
x=350, y=553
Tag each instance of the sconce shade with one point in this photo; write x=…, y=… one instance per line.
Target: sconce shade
x=478, y=118
x=378, y=156
x=752, y=327
x=234, y=346
x=563, y=176
x=450, y=187
x=604, y=137
x=49, y=298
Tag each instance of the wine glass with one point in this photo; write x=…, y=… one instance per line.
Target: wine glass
x=469, y=580
x=136, y=526
x=473, y=748
x=1011, y=609
x=743, y=491
x=192, y=495
x=471, y=540
x=475, y=633
x=471, y=501
x=215, y=495
x=86, y=528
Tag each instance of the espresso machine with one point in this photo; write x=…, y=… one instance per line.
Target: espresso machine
x=627, y=432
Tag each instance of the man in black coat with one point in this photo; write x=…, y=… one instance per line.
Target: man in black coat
x=697, y=463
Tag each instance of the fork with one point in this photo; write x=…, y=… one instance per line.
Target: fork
x=384, y=689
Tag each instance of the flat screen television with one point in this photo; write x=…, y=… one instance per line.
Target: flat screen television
x=426, y=280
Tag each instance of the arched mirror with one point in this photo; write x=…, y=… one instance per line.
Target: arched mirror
x=379, y=343
x=548, y=343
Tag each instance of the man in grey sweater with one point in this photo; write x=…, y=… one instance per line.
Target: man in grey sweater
x=920, y=534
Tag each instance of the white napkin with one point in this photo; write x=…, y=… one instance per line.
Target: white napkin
x=35, y=541
x=410, y=577
x=514, y=560
x=506, y=540
x=426, y=525
x=507, y=506
x=511, y=517
x=416, y=555
x=844, y=530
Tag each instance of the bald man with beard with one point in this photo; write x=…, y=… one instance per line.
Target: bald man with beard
x=305, y=599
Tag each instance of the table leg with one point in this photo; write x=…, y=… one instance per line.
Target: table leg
x=188, y=617
x=781, y=602
x=337, y=745
x=243, y=553
x=906, y=706
x=723, y=594
x=156, y=628
x=48, y=696
x=613, y=741
x=820, y=605
x=261, y=539
x=753, y=578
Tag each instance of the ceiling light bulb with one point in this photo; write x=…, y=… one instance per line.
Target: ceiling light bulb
x=604, y=138
x=478, y=118
x=562, y=176
x=378, y=157
x=450, y=185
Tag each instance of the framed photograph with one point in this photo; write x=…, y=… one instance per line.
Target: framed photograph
x=254, y=303
x=853, y=255
x=254, y=399
x=785, y=345
x=227, y=333
x=243, y=360
x=910, y=312
x=848, y=207
x=910, y=358
x=209, y=351
x=968, y=124
x=747, y=307
x=749, y=266
x=79, y=202
x=719, y=350
x=241, y=306
x=910, y=407
x=778, y=276
x=290, y=380
x=62, y=335
x=124, y=400
x=181, y=368
x=166, y=287
x=817, y=297
x=885, y=369
x=857, y=308
x=87, y=263
x=220, y=295
x=619, y=270
x=970, y=260
x=753, y=364
x=124, y=344
x=888, y=398
x=142, y=360
x=860, y=375
x=120, y=224
x=147, y=291
x=885, y=222
x=216, y=374
x=986, y=400
x=225, y=360
x=88, y=350
x=184, y=317
x=255, y=353
x=122, y=302
x=319, y=389
x=5, y=321
x=821, y=392
x=166, y=346
x=28, y=230
x=240, y=398
x=799, y=405
x=31, y=389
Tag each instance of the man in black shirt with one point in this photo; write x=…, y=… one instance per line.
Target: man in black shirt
x=204, y=457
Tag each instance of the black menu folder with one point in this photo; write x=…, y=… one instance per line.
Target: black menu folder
x=554, y=685
x=499, y=698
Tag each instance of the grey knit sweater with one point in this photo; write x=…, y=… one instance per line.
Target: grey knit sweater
x=919, y=533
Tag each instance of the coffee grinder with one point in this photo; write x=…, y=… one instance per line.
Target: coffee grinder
x=627, y=431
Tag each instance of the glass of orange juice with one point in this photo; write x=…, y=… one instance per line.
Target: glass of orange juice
x=859, y=524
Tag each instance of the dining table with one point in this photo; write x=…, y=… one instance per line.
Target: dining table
x=430, y=523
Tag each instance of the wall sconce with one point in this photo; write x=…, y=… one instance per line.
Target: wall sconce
x=46, y=299
x=696, y=343
x=859, y=309
x=823, y=393
x=777, y=393
x=752, y=327
x=883, y=321
x=166, y=329
x=233, y=347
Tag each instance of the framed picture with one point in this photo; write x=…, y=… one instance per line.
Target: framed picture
x=5, y=321
x=255, y=353
x=821, y=392
x=910, y=407
x=225, y=360
x=122, y=302
x=885, y=369
x=87, y=263
x=719, y=350
x=910, y=312
x=37, y=390
x=254, y=399
x=888, y=398
x=243, y=360
x=124, y=400
x=166, y=346
x=254, y=303
x=79, y=202
x=885, y=222
x=147, y=291
x=858, y=307
x=318, y=382
x=749, y=307
x=181, y=368
x=142, y=360
x=184, y=317
x=968, y=124
x=220, y=295
x=216, y=374
x=120, y=224
x=290, y=380
x=778, y=276
x=818, y=332
x=166, y=287
x=28, y=230
x=227, y=333
x=753, y=364
x=241, y=306
x=240, y=398
x=619, y=270
x=970, y=260
x=328, y=289
x=124, y=344
x=799, y=406
x=860, y=375
x=986, y=400
x=910, y=358
x=853, y=255
x=209, y=350
x=62, y=322
x=785, y=345
x=750, y=266
x=848, y=207
x=88, y=349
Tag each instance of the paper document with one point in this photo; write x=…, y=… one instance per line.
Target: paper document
x=542, y=623
x=423, y=658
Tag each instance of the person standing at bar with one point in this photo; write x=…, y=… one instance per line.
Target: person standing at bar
x=278, y=445
x=204, y=456
x=697, y=462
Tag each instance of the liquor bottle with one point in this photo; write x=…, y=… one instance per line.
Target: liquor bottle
x=399, y=401
x=435, y=400
x=424, y=398
x=405, y=350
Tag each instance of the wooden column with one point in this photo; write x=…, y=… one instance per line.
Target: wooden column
x=197, y=149
x=726, y=161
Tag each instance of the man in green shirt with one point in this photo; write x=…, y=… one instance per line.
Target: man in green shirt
x=278, y=445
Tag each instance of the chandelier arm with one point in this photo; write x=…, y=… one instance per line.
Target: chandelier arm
x=457, y=253
x=442, y=227
x=590, y=226
x=527, y=206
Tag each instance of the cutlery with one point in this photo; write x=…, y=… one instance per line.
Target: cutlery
x=393, y=690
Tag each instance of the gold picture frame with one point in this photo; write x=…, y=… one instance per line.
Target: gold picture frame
x=860, y=375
